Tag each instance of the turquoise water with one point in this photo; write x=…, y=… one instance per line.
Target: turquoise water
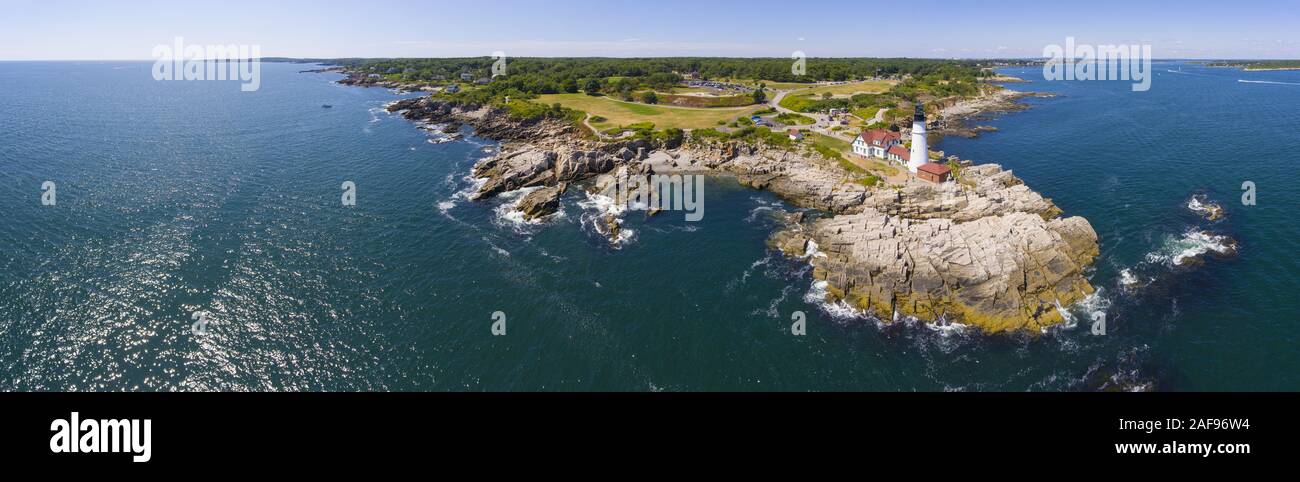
x=177, y=197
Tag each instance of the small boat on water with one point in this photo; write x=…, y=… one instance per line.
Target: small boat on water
x=327, y=106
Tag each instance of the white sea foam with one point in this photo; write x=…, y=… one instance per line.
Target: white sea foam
x=603, y=204
x=473, y=185
x=1070, y=321
x=744, y=277
x=1091, y=307
x=812, y=251
x=1193, y=244
x=774, y=308
x=839, y=310
x=599, y=208
x=1267, y=82
x=753, y=214
x=1127, y=279
x=948, y=328
x=496, y=249
x=1200, y=205
x=1095, y=306
x=509, y=215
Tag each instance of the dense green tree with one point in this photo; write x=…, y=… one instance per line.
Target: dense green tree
x=570, y=86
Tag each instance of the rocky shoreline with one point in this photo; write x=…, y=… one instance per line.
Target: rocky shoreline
x=986, y=251
x=961, y=116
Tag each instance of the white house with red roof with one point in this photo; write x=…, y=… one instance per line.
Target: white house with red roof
x=899, y=153
x=876, y=143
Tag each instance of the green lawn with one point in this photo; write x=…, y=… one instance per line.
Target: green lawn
x=795, y=119
x=845, y=90
x=619, y=113
x=835, y=143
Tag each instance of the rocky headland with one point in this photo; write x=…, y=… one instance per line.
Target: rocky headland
x=961, y=116
x=986, y=251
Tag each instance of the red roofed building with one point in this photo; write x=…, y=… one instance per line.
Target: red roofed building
x=936, y=173
x=876, y=143
x=899, y=153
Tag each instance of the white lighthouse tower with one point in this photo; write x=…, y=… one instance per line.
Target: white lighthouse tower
x=920, y=151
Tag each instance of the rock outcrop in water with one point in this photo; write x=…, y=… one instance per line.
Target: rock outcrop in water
x=542, y=202
x=987, y=251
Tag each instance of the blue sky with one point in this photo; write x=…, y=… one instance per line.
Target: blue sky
x=129, y=29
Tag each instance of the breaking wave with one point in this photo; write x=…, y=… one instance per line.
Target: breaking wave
x=600, y=209
x=1178, y=251
x=508, y=214
x=839, y=310
x=1200, y=204
x=472, y=186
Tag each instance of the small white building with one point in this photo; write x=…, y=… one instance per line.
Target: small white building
x=795, y=135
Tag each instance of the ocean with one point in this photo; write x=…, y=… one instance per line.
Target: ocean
x=173, y=199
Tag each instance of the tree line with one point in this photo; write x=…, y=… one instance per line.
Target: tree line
x=554, y=75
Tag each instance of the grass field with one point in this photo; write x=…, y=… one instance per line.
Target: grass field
x=838, y=145
x=845, y=90
x=795, y=119
x=618, y=113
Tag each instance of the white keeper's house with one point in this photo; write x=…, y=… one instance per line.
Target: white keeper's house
x=876, y=143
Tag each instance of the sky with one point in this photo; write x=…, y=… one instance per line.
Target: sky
x=130, y=29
